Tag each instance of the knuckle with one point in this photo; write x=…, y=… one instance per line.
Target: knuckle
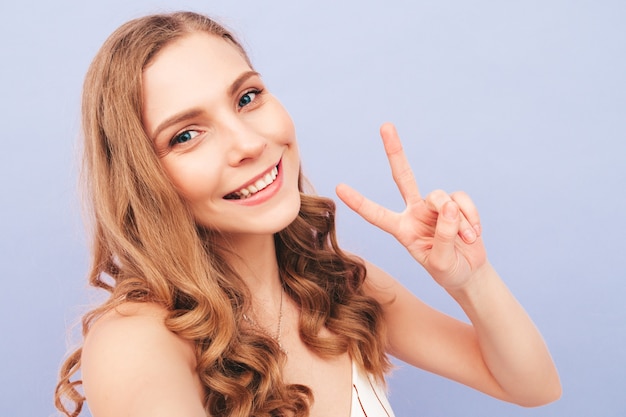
x=437, y=196
x=436, y=199
x=404, y=174
x=459, y=195
x=447, y=234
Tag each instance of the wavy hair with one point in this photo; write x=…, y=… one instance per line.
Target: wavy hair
x=146, y=247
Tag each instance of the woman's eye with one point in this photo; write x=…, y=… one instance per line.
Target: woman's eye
x=184, y=137
x=248, y=98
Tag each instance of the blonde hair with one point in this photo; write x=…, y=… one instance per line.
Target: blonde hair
x=147, y=247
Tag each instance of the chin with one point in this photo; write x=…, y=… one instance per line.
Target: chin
x=288, y=213
x=264, y=222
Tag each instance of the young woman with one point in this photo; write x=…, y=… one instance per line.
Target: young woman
x=229, y=294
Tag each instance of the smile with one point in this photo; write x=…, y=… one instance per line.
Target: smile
x=258, y=185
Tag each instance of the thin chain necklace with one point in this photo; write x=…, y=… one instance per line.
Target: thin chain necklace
x=279, y=327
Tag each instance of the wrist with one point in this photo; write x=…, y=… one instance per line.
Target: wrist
x=475, y=284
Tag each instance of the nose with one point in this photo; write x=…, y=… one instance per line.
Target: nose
x=245, y=144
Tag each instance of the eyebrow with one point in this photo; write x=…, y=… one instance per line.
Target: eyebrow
x=195, y=112
x=236, y=85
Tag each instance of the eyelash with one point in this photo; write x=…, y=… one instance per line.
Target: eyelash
x=175, y=139
x=254, y=91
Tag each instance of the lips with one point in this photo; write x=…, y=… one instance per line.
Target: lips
x=254, y=187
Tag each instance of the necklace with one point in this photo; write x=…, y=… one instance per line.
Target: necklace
x=279, y=327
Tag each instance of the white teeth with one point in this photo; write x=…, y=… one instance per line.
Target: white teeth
x=259, y=184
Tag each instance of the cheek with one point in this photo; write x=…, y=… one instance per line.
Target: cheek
x=276, y=123
x=193, y=181
x=289, y=128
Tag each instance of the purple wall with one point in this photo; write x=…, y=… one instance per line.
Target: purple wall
x=523, y=106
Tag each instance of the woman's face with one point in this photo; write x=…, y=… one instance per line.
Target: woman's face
x=226, y=143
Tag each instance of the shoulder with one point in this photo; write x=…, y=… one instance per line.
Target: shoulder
x=133, y=365
x=380, y=285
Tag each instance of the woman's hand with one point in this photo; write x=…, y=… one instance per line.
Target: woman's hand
x=501, y=353
x=441, y=231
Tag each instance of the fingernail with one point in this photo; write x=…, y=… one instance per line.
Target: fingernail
x=469, y=235
x=477, y=229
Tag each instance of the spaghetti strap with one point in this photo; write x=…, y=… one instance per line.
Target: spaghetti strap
x=369, y=397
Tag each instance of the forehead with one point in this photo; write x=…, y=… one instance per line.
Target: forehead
x=190, y=68
x=197, y=48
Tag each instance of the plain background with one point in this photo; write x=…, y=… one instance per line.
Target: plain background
x=521, y=104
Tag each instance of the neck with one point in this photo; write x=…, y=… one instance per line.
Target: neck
x=254, y=259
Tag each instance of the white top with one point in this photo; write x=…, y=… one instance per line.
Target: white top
x=369, y=398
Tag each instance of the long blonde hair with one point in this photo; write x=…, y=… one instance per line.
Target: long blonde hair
x=147, y=247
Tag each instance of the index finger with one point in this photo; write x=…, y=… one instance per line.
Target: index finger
x=400, y=169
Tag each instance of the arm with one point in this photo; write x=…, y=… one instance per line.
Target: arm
x=132, y=365
x=501, y=353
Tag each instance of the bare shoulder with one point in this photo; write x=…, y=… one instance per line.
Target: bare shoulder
x=133, y=365
x=379, y=284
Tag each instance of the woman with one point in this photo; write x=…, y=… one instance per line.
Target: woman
x=229, y=294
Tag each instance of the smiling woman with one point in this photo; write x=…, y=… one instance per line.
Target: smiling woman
x=229, y=295
x=220, y=134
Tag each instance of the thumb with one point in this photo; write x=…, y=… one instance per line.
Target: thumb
x=443, y=253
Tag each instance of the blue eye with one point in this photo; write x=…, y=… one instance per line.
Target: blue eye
x=248, y=98
x=184, y=137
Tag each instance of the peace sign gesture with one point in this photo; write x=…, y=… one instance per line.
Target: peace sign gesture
x=441, y=231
